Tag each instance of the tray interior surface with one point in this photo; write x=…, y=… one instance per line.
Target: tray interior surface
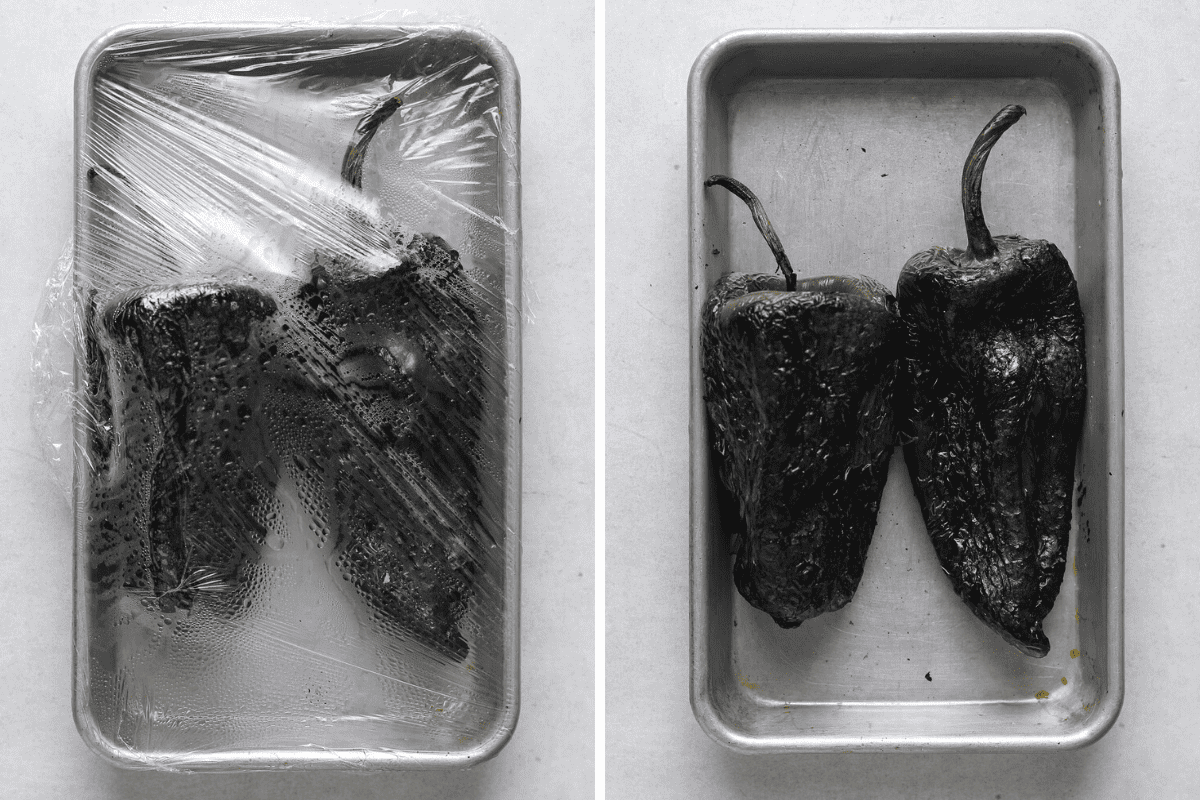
x=856, y=151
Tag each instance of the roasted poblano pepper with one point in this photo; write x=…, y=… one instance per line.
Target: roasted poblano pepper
x=798, y=382
x=181, y=480
x=995, y=386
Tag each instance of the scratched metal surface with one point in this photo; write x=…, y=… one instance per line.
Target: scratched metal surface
x=855, y=143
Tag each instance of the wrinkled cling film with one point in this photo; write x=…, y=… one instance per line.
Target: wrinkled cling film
x=55, y=336
x=289, y=312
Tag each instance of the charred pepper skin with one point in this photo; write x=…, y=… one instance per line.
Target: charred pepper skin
x=995, y=386
x=799, y=384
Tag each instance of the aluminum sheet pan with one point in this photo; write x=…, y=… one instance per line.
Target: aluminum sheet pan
x=855, y=141
x=207, y=139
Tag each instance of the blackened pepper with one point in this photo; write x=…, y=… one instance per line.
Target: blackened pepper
x=995, y=387
x=798, y=382
x=181, y=478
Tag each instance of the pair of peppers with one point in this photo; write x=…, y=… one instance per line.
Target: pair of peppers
x=227, y=419
x=976, y=365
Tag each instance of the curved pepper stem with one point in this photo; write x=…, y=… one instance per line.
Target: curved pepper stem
x=764, y=225
x=979, y=238
x=356, y=153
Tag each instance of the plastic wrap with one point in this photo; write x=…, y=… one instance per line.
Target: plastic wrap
x=296, y=400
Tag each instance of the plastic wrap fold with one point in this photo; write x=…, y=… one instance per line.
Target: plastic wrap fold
x=295, y=289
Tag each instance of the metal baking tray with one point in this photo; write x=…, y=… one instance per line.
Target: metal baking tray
x=299, y=672
x=855, y=142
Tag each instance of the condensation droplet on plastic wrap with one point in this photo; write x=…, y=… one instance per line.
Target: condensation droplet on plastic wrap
x=292, y=395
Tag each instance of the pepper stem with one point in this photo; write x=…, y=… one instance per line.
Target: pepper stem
x=764, y=225
x=356, y=153
x=979, y=238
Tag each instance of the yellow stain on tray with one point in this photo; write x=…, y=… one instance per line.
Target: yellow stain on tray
x=745, y=682
x=1074, y=571
x=1077, y=615
x=1042, y=695
x=1064, y=680
x=1087, y=706
x=1075, y=654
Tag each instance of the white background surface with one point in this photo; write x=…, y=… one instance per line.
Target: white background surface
x=655, y=749
x=551, y=753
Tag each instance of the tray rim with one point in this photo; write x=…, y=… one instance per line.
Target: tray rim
x=508, y=79
x=704, y=708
